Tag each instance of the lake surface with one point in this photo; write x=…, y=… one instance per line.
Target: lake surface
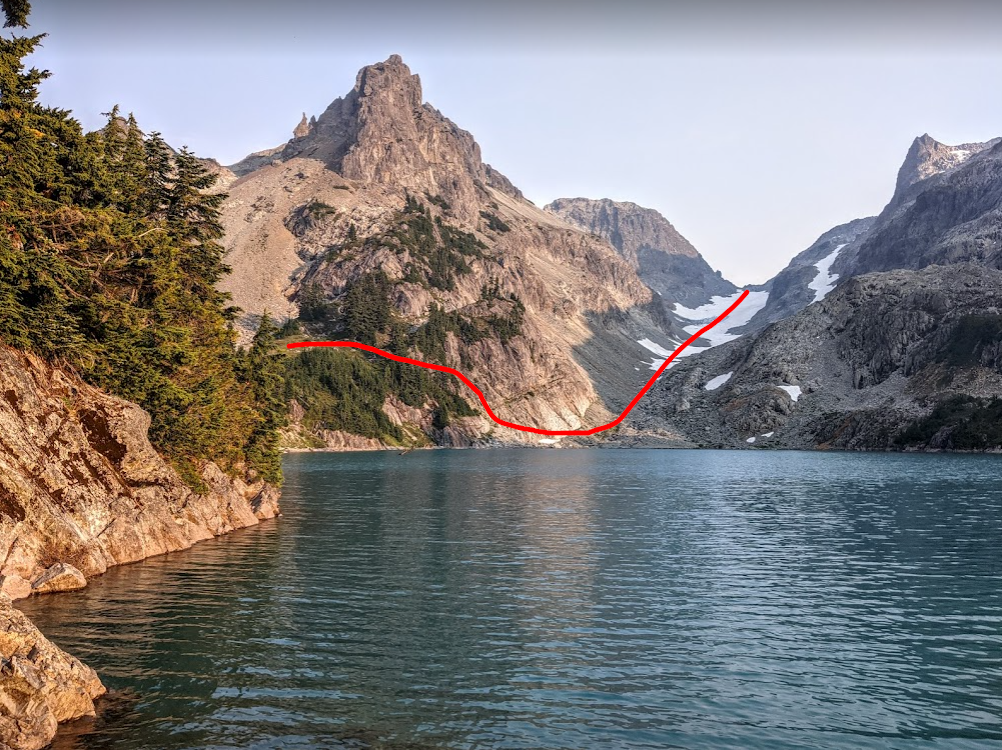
x=577, y=599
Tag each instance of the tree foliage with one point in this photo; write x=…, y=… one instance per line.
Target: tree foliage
x=15, y=12
x=109, y=257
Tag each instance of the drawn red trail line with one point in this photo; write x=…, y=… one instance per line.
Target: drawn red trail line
x=483, y=400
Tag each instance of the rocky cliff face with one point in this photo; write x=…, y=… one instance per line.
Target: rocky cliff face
x=945, y=209
x=809, y=277
x=847, y=358
x=664, y=259
x=927, y=158
x=82, y=489
x=877, y=356
x=382, y=183
x=952, y=215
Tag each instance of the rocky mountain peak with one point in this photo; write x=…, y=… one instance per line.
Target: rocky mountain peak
x=928, y=157
x=302, y=129
x=381, y=132
x=627, y=226
x=390, y=81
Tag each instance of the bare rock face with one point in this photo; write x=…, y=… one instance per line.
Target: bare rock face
x=627, y=226
x=59, y=577
x=952, y=215
x=665, y=260
x=928, y=157
x=40, y=685
x=850, y=372
x=82, y=489
x=383, y=133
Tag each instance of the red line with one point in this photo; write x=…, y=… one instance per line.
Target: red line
x=480, y=395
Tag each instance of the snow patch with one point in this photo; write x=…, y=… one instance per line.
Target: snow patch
x=704, y=314
x=825, y=280
x=750, y=440
x=714, y=383
x=793, y=390
x=547, y=441
x=768, y=434
x=652, y=347
x=721, y=334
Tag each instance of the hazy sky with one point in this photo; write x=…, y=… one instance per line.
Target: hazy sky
x=753, y=127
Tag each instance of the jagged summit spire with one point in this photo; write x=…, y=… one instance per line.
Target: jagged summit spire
x=391, y=79
x=381, y=132
x=927, y=157
x=302, y=129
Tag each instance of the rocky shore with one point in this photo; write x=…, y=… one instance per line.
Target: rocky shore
x=82, y=489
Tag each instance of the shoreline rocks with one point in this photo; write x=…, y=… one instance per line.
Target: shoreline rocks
x=82, y=489
x=41, y=685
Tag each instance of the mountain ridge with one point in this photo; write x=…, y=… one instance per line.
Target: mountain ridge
x=384, y=191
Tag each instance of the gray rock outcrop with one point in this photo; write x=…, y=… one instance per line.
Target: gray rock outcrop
x=665, y=260
x=849, y=372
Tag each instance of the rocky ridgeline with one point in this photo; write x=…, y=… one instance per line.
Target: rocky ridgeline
x=851, y=372
x=843, y=357
x=320, y=212
x=952, y=215
x=665, y=260
x=81, y=490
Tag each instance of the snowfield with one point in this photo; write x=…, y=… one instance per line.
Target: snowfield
x=704, y=314
x=824, y=282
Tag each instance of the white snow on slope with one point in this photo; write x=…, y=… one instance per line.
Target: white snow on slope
x=793, y=390
x=750, y=440
x=824, y=282
x=721, y=334
x=704, y=314
x=652, y=347
x=714, y=383
x=768, y=434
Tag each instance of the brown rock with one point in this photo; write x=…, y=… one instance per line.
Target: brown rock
x=40, y=685
x=15, y=587
x=362, y=158
x=59, y=577
x=81, y=484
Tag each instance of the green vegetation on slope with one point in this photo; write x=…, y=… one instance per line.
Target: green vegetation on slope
x=342, y=390
x=438, y=253
x=109, y=257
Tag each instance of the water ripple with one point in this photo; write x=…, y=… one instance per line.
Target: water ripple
x=567, y=599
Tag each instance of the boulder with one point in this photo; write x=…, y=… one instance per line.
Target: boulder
x=40, y=685
x=59, y=577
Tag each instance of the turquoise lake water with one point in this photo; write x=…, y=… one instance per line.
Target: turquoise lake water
x=572, y=599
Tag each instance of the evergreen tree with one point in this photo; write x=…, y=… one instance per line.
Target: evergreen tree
x=109, y=256
x=15, y=12
x=264, y=370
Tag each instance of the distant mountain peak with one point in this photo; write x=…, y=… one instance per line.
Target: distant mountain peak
x=391, y=80
x=927, y=157
x=665, y=260
x=382, y=132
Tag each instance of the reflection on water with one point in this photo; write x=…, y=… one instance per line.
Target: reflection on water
x=567, y=599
